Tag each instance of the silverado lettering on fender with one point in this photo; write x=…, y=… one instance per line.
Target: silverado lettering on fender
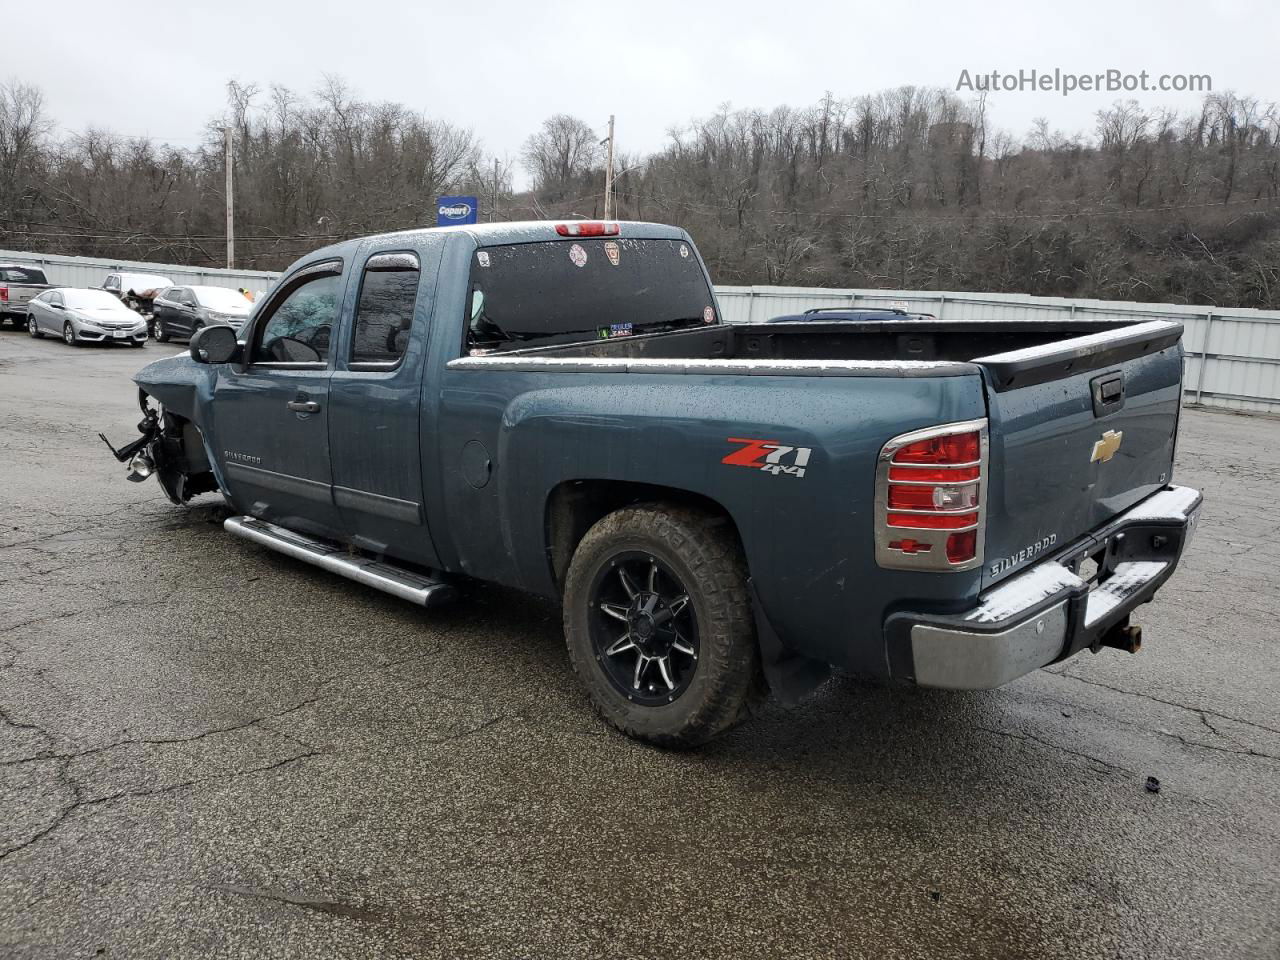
x=558, y=408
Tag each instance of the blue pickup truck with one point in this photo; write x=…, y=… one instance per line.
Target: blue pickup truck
x=722, y=510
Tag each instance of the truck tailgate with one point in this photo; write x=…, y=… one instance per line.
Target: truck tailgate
x=1080, y=430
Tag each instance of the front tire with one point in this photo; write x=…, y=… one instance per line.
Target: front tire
x=69, y=335
x=34, y=329
x=158, y=331
x=659, y=625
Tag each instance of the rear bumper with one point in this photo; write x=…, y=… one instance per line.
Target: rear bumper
x=1049, y=612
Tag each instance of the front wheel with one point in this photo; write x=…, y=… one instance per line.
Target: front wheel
x=158, y=331
x=34, y=329
x=69, y=335
x=659, y=625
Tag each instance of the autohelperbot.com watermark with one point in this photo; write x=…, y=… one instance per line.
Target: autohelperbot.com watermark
x=1066, y=82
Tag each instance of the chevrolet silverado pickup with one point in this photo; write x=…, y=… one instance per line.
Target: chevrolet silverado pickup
x=721, y=510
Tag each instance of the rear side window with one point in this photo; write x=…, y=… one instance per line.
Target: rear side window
x=384, y=312
x=562, y=291
x=22, y=275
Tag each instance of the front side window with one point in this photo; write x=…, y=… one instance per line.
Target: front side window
x=384, y=312
x=301, y=325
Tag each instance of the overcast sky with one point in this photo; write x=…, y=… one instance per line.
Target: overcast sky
x=159, y=69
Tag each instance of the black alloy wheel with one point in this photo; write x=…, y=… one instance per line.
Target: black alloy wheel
x=644, y=631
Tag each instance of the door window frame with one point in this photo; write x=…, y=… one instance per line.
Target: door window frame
x=329, y=267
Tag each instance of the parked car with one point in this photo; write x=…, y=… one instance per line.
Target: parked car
x=178, y=312
x=84, y=316
x=841, y=314
x=136, y=290
x=19, y=282
x=719, y=508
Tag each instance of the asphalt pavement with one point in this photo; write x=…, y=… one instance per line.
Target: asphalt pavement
x=210, y=750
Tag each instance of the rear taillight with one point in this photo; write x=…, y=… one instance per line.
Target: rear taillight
x=588, y=228
x=4, y=293
x=931, y=498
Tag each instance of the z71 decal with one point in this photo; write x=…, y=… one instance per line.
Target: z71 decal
x=769, y=456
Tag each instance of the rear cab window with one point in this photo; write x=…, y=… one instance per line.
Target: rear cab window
x=22, y=275
x=591, y=288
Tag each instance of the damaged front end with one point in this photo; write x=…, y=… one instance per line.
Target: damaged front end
x=170, y=448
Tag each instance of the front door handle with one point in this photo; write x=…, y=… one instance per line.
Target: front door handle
x=304, y=406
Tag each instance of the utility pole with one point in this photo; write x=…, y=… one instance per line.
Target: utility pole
x=495, y=189
x=608, y=176
x=231, y=206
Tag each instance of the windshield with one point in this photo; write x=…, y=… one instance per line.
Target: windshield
x=220, y=298
x=22, y=275
x=92, y=300
x=532, y=294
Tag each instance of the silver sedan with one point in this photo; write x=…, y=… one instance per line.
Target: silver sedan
x=84, y=316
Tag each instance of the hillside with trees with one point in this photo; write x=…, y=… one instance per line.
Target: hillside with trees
x=908, y=188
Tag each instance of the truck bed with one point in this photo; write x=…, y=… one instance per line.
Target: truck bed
x=1014, y=353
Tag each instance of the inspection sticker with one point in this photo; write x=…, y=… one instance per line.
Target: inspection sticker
x=614, y=330
x=578, y=255
x=684, y=251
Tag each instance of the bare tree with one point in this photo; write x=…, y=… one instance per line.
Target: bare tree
x=561, y=155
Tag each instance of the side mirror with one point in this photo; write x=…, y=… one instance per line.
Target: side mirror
x=215, y=345
x=477, y=305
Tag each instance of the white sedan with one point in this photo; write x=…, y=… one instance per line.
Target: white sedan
x=84, y=316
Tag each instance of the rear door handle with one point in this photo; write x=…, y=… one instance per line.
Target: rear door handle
x=304, y=406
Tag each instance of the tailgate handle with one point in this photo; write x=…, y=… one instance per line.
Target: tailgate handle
x=1108, y=393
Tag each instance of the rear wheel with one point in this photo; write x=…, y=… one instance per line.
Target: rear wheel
x=69, y=335
x=659, y=624
x=34, y=329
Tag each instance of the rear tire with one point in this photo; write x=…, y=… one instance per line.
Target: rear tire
x=690, y=698
x=34, y=330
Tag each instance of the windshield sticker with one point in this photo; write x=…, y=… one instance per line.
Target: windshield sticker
x=684, y=251
x=708, y=315
x=613, y=252
x=482, y=258
x=614, y=330
x=578, y=255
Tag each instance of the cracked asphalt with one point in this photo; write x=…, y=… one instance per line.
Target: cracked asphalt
x=209, y=750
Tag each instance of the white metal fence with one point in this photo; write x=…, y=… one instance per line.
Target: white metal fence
x=1232, y=356
x=90, y=272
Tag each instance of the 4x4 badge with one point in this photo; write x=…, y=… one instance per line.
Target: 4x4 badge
x=1106, y=448
x=769, y=457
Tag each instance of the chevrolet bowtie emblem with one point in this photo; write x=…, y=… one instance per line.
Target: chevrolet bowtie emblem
x=1106, y=448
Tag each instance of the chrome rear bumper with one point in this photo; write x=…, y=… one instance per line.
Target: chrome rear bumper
x=1049, y=612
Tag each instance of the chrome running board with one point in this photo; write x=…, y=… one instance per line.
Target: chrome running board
x=397, y=581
